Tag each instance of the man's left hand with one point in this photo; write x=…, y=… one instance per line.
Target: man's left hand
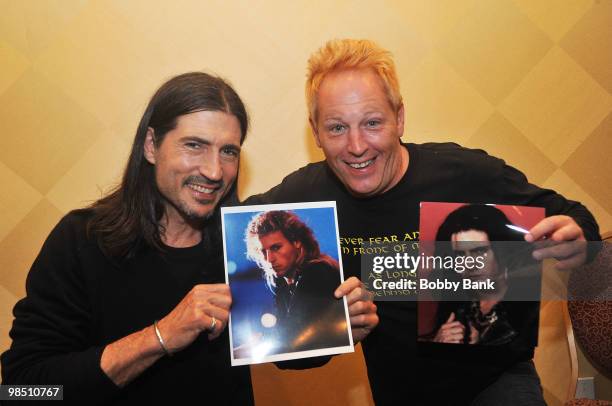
x=362, y=309
x=566, y=241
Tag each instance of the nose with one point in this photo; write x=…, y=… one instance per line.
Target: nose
x=271, y=257
x=211, y=167
x=356, y=144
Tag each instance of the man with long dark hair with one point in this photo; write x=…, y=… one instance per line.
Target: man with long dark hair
x=302, y=279
x=122, y=291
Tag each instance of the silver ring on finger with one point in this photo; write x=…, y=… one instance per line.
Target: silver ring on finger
x=213, y=324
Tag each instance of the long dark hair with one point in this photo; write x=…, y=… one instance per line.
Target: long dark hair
x=480, y=217
x=129, y=216
x=294, y=229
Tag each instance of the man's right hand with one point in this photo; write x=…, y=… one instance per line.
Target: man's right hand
x=362, y=310
x=126, y=358
x=194, y=314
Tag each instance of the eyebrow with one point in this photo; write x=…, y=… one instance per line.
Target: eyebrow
x=207, y=142
x=367, y=113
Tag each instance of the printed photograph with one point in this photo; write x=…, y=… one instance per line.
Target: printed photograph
x=283, y=264
x=484, y=286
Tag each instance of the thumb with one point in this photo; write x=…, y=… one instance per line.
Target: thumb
x=451, y=317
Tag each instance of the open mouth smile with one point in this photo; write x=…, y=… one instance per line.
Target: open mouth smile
x=201, y=189
x=361, y=165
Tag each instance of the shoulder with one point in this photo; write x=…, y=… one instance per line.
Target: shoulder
x=323, y=264
x=316, y=169
x=72, y=227
x=450, y=152
x=322, y=268
x=456, y=159
x=297, y=186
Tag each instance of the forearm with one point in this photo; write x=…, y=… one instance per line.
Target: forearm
x=123, y=360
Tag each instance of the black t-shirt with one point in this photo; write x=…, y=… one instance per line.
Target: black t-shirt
x=78, y=302
x=398, y=369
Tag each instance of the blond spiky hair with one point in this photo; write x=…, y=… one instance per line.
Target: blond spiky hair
x=339, y=54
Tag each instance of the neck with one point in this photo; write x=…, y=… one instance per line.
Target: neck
x=486, y=305
x=179, y=233
x=404, y=160
x=494, y=296
x=291, y=276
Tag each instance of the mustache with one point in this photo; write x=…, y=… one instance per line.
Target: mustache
x=203, y=180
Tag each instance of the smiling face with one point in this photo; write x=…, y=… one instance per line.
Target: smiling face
x=360, y=132
x=282, y=254
x=195, y=164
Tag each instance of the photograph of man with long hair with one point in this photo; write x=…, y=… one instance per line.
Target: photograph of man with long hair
x=290, y=304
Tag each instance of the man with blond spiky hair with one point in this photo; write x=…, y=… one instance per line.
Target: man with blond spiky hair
x=356, y=115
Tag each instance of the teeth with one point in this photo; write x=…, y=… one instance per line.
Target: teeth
x=361, y=165
x=201, y=189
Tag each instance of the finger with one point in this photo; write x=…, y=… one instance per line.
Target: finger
x=364, y=320
x=543, y=228
x=211, y=288
x=559, y=251
x=543, y=244
x=452, y=339
x=452, y=324
x=220, y=315
x=347, y=286
x=451, y=317
x=215, y=328
x=362, y=307
x=568, y=232
x=571, y=263
x=546, y=227
x=357, y=308
x=220, y=300
x=455, y=331
x=359, y=294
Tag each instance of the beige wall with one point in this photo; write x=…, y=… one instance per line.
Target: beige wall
x=527, y=80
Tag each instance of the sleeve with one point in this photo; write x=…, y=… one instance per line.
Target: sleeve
x=52, y=340
x=511, y=185
x=304, y=363
x=278, y=194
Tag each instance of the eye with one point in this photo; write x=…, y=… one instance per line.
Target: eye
x=193, y=145
x=230, y=152
x=372, y=123
x=336, y=128
x=482, y=251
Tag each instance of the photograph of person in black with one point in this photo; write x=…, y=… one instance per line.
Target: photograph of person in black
x=485, y=316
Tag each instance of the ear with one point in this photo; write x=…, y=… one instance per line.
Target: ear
x=149, y=146
x=400, y=120
x=297, y=244
x=315, y=131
